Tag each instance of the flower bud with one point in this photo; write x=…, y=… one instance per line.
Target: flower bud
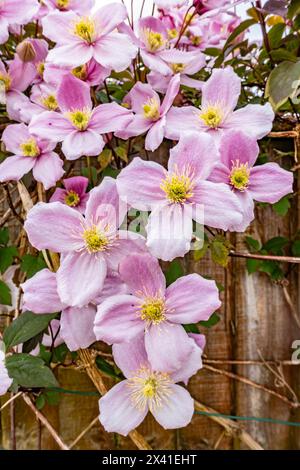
x=199, y=7
x=25, y=51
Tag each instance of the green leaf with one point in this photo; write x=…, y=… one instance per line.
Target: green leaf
x=282, y=206
x=219, y=252
x=283, y=83
x=109, y=171
x=122, y=153
x=281, y=54
x=5, y=295
x=253, y=245
x=105, y=158
x=106, y=368
x=4, y=236
x=275, y=245
x=275, y=35
x=31, y=264
x=253, y=265
x=294, y=9
x=26, y=326
x=240, y=29
x=7, y=255
x=29, y=371
x=40, y=402
x=296, y=248
x=173, y=272
x=191, y=328
x=199, y=254
x=212, y=321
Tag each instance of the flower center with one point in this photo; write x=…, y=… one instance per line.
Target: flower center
x=178, y=187
x=153, y=310
x=79, y=119
x=177, y=68
x=62, y=3
x=30, y=148
x=80, y=72
x=172, y=33
x=95, y=240
x=149, y=388
x=50, y=102
x=5, y=81
x=212, y=116
x=152, y=109
x=72, y=199
x=239, y=176
x=85, y=29
x=40, y=68
x=154, y=40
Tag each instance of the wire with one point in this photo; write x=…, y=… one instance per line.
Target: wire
x=250, y=418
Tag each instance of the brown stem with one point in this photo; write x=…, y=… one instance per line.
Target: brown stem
x=283, y=259
x=11, y=204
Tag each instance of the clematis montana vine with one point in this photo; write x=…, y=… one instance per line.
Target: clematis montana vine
x=90, y=246
x=150, y=114
x=78, y=125
x=145, y=390
x=5, y=380
x=263, y=183
x=220, y=95
x=14, y=12
x=179, y=195
x=154, y=312
x=74, y=195
x=30, y=153
x=81, y=38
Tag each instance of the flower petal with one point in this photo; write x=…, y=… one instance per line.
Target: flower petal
x=222, y=89
x=109, y=117
x=115, y=51
x=76, y=327
x=15, y=167
x=176, y=410
x=237, y=146
x=155, y=135
x=48, y=169
x=126, y=244
x=131, y=356
x=73, y=94
x=40, y=293
x=269, y=183
x=181, y=120
x=254, y=120
x=139, y=94
x=14, y=135
x=71, y=55
x=79, y=143
x=51, y=125
x=106, y=21
x=172, y=91
x=5, y=380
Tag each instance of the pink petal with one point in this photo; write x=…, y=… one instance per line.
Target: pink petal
x=48, y=169
x=80, y=277
x=269, y=183
x=247, y=205
x=79, y=143
x=15, y=167
x=76, y=327
x=130, y=357
x=143, y=274
x=145, y=178
x=40, y=293
x=5, y=380
x=117, y=410
x=51, y=125
x=154, y=62
x=139, y=95
x=172, y=91
x=115, y=51
x=254, y=120
x=155, y=135
x=57, y=26
x=223, y=88
x=73, y=94
x=220, y=174
x=126, y=244
x=55, y=227
x=176, y=410
x=109, y=117
x=117, y=319
x=162, y=345
x=14, y=135
x=4, y=35
x=113, y=285
x=180, y=120
x=193, y=60
x=137, y=126
x=169, y=231
x=192, y=299
x=237, y=146
x=106, y=21
x=71, y=55
x=192, y=364
x=78, y=184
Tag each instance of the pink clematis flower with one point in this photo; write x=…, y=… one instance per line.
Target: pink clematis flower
x=219, y=98
x=79, y=125
x=79, y=6
x=263, y=183
x=91, y=245
x=5, y=380
x=32, y=54
x=30, y=153
x=81, y=38
x=92, y=73
x=145, y=389
x=180, y=195
x=13, y=12
x=156, y=313
x=74, y=195
x=150, y=115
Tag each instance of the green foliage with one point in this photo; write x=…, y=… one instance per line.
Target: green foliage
x=7, y=255
x=212, y=321
x=31, y=264
x=29, y=371
x=283, y=83
x=5, y=295
x=173, y=272
x=282, y=206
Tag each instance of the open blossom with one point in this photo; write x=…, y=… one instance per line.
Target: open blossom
x=40, y=295
x=15, y=12
x=74, y=195
x=153, y=39
x=156, y=313
x=81, y=38
x=79, y=6
x=219, y=98
x=263, y=183
x=92, y=73
x=78, y=125
x=179, y=195
x=29, y=153
x=5, y=380
x=90, y=246
x=145, y=390
x=150, y=113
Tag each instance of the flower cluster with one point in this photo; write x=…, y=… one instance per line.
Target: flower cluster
x=109, y=285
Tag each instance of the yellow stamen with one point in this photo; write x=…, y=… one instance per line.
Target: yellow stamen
x=177, y=68
x=79, y=119
x=153, y=310
x=152, y=109
x=50, y=102
x=62, y=3
x=85, y=29
x=172, y=33
x=72, y=199
x=212, y=116
x=239, y=176
x=5, y=81
x=80, y=72
x=150, y=388
x=178, y=186
x=30, y=148
x=95, y=240
x=154, y=40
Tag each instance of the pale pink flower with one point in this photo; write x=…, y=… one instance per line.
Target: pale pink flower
x=81, y=38
x=90, y=246
x=13, y=12
x=74, y=195
x=179, y=195
x=144, y=390
x=92, y=73
x=216, y=116
x=262, y=183
x=79, y=126
x=81, y=7
x=5, y=380
x=149, y=113
x=29, y=153
x=156, y=313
